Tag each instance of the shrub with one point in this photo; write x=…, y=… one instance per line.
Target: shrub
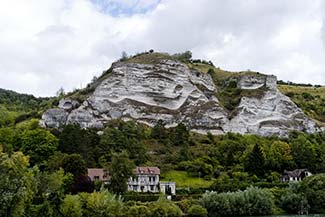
x=164, y=208
x=252, y=201
x=197, y=211
x=140, y=211
x=71, y=206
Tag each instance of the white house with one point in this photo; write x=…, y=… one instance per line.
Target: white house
x=146, y=179
x=295, y=175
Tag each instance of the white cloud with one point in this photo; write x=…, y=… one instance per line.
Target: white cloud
x=52, y=43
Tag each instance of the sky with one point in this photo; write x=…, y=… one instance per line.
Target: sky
x=49, y=44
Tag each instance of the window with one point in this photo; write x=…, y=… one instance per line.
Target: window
x=135, y=187
x=152, y=187
x=96, y=177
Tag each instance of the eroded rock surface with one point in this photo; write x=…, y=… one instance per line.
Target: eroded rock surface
x=174, y=93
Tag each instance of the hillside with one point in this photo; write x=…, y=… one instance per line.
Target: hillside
x=150, y=86
x=50, y=165
x=310, y=99
x=16, y=107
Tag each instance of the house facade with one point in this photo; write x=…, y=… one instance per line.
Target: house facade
x=146, y=179
x=295, y=175
x=98, y=174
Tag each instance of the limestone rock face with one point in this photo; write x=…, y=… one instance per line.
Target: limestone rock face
x=170, y=91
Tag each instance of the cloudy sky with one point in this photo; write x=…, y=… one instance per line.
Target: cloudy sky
x=48, y=44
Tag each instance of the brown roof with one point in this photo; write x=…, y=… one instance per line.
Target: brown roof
x=147, y=170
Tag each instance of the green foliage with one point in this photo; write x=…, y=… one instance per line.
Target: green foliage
x=303, y=151
x=252, y=201
x=85, y=142
x=71, y=206
x=102, y=204
x=121, y=170
x=313, y=188
x=74, y=164
x=159, y=131
x=255, y=162
x=179, y=135
x=14, y=105
x=197, y=211
x=141, y=196
x=293, y=200
x=164, y=208
x=16, y=184
x=310, y=99
x=126, y=136
x=39, y=144
x=183, y=179
x=279, y=156
x=141, y=211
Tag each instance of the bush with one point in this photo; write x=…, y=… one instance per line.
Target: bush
x=143, y=197
x=165, y=208
x=252, y=201
x=71, y=206
x=140, y=211
x=197, y=211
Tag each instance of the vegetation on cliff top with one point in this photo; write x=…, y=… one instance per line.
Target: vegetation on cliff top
x=311, y=99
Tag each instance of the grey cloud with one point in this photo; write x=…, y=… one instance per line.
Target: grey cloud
x=77, y=40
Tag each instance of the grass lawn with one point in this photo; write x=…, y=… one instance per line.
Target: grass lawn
x=183, y=180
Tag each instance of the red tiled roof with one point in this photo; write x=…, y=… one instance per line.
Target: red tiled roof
x=147, y=170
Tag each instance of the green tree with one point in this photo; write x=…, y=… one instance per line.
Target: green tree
x=255, y=161
x=16, y=184
x=102, y=204
x=180, y=134
x=293, y=200
x=74, y=140
x=74, y=164
x=127, y=136
x=71, y=206
x=159, y=131
x=279, y=156
x=251, y=202
x=121, y=170
x=39, y=144
x=313, y=187
x=164, y=208
x=303, y=152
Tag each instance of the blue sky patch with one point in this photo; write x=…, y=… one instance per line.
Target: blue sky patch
x=125, y=7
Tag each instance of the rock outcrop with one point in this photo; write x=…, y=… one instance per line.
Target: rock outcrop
x=171, y=91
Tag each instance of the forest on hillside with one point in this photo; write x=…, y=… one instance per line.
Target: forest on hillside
x=45, y=170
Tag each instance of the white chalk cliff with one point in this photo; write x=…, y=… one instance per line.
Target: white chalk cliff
x=174, y=93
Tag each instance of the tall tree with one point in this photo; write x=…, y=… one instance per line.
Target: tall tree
x=16, y=184
x=255, y=161
x=39, y=144
x=121, y=170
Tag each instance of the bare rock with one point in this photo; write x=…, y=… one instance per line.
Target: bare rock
x=170, y=91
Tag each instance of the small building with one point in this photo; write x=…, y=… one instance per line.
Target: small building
x=295, y=175
x=168, y=187
x=98, y=174
x=146, y=179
